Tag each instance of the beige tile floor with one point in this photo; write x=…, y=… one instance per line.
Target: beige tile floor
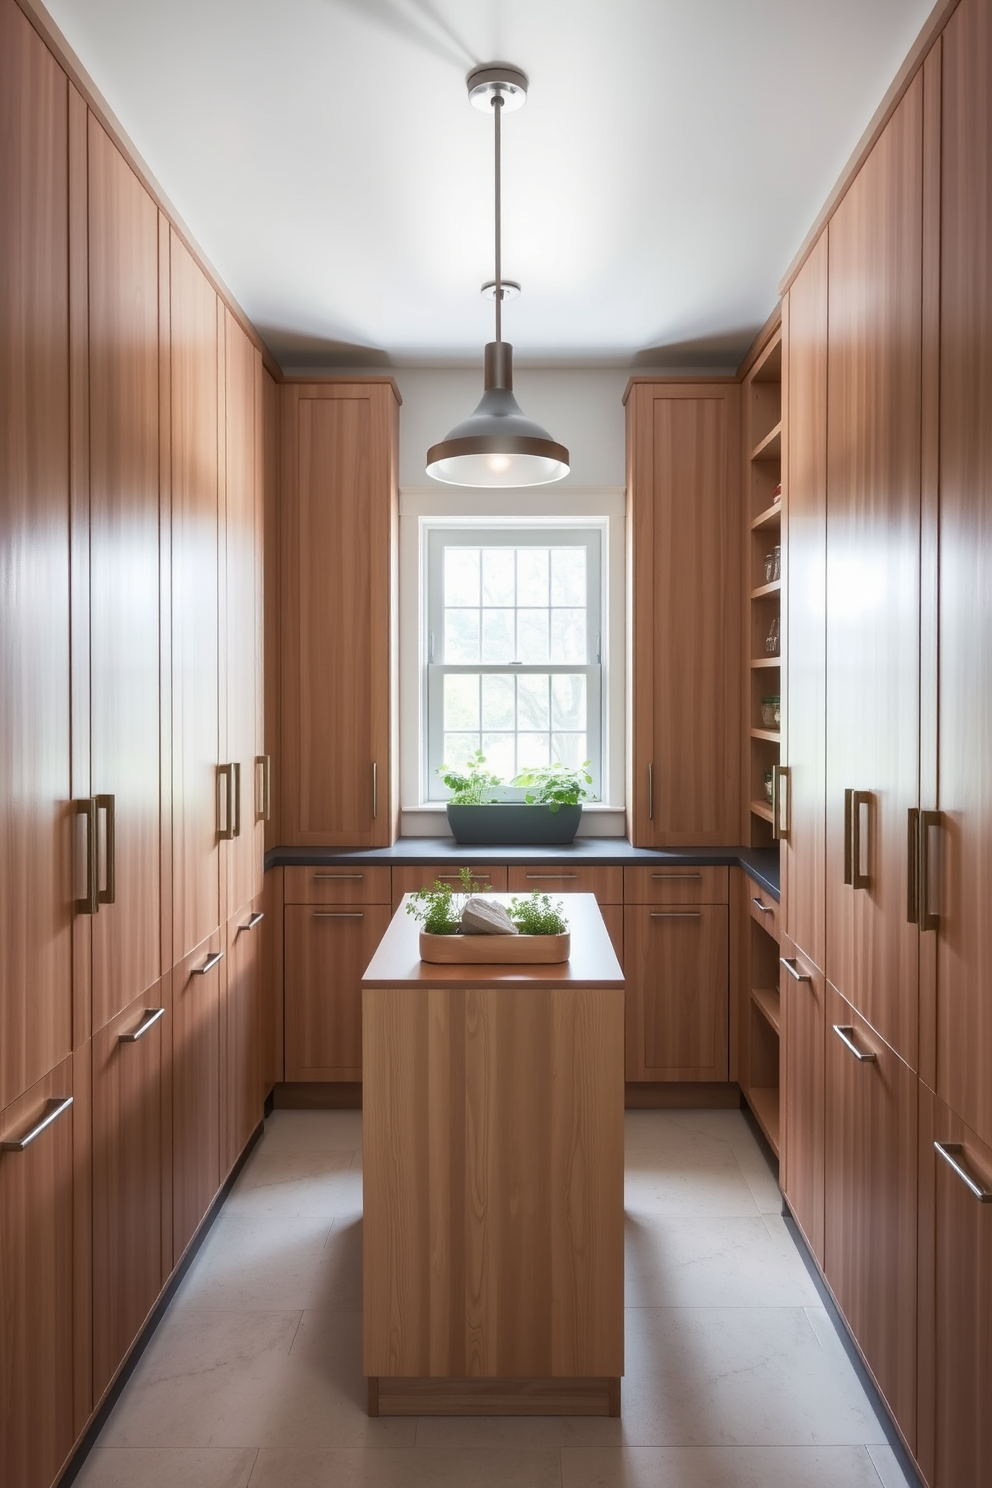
x=735, y=1377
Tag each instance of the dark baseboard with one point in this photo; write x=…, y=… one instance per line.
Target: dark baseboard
x=88, y=1440
x=317, y=1095
x=684, y=1095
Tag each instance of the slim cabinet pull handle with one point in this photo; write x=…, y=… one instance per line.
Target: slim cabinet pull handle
x=149, y=1020
x=845, y=1033
x=860, y=880
x=456, y=877
x=792, y=967
x=765, y=908
x=913, y=866
x=253, y=920
x=676, y=914
x=929, y=918
x=208, y=965
x=780, y=819
x=108, y=895
x=338, y=914
x=90, y=903
x=848, y=832
x=676, y=875
x=236, y=793
x=375, y=790
x=952, y=1152
x=555, y=876
x=224, y=803
x=54, y=1108
x=334, y=876
x=650, y=792
x=263, y=808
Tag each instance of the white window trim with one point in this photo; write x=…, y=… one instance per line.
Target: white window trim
x=538, y=507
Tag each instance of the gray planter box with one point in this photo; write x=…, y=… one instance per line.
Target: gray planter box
x=514, y=824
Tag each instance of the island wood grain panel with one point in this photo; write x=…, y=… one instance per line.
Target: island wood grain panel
x=36, y=1288
x=196, y=1048
x=195, y=462
x=684, y=567
x=124, y=526
x=802, y=1097
x=326, y=952
x=128, y=1157
x=964, y=845
x=677, y=968
x=873, y=570
x=493, y=1163
x=870, y=1203
x=36, y=825
x=804, y=848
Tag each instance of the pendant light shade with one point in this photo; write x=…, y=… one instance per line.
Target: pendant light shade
x=498, y=445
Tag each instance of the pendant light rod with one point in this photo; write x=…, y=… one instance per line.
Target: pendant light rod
x=498, y=109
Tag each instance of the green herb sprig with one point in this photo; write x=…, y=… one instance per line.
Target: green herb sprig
x=473, y=786
x=440, y=908
x=536, y=915
x=555, y=785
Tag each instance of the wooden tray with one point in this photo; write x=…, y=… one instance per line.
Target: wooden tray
x=494, y=950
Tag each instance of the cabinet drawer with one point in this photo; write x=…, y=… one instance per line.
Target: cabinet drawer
x=676, y=885
x=408, y=879
x=762, y=908
x=676, y=966
x=343, y=885
x=605, y=883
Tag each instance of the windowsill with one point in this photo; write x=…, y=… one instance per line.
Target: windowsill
x=598, y=820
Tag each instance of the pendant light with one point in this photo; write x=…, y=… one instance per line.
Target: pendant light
x=498, y=445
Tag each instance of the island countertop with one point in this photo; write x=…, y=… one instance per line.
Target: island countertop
x=592, y=962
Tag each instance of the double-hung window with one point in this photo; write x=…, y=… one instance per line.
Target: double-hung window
x=514, y=667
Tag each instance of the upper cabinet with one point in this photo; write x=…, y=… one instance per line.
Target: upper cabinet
x=37, y=827
x=684, y=566
x=338, y=452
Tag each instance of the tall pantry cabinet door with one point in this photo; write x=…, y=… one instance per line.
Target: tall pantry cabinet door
x=870, y=1189
x=338, y=452
x=244, y=853
x=873, y=577
x=195, y=717
x=962, y=851
x=804, y=847
x=36, y=823
x=124, y=576
x=36, y=1282
x=683, y=454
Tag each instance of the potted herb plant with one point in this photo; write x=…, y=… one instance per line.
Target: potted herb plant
x=548, y=815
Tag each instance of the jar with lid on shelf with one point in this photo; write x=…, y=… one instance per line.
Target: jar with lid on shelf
x=771, y=711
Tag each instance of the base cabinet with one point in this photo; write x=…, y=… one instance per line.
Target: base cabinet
x=197, y=999
x=37, y=1237
x=871, y=1201
x=676, y=965
x=243, y=1091
x=802, y=1000
x=131, y=1070
x=327, y=948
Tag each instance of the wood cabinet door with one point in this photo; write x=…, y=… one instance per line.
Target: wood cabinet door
x=676, y=964
x=870, y=1192
x=243, y=1094
x=804, y=847
x=326, y=952
x=338, y=453
x=195, y=668
x=36, y=1285
x=683, y=490
x=244, y=853
x=36, y=825
x=197, y=1000
x=962, y=851
x=130, y=1069
x=125, y=714
x=802, y=995
x=873, y=574
x=955, y=1298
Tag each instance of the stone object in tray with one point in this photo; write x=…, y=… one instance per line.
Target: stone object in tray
x=486, y=917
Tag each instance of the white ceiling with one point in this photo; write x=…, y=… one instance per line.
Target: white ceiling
x=669, y=160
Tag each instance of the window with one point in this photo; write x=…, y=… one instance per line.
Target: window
x=514, y=665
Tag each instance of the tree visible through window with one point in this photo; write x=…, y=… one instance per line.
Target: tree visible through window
x=513, y=649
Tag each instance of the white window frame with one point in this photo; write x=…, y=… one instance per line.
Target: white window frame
x=419, y=507
x=439, y=536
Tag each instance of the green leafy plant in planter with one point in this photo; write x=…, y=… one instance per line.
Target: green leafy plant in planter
x=473, y=786
x=536, y=915
x=555, y=785
x=440, y=908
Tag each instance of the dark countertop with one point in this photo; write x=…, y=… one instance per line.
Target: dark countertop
x=762, y=864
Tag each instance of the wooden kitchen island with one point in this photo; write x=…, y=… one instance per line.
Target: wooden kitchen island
x=493, y=1179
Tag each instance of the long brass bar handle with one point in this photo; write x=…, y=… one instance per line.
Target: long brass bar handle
x=913, y=866
x=676, y=875
x=929, y=918
x=848, y=834
x=650, y=792
x=338, y=914
x=791, y=966
x=90, y=903
x=54, y=1108
x=149, y=1020
x=225, y=832
x=236, y=793
x=776, y=778
x=676, y=914
x=845, y=1033
x=109, y=894
x=208, y=965
x=253, y=920
x=782, y=777
x=375, y=790
x=262, y=795
x=860, y=880
x=951, y=1152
